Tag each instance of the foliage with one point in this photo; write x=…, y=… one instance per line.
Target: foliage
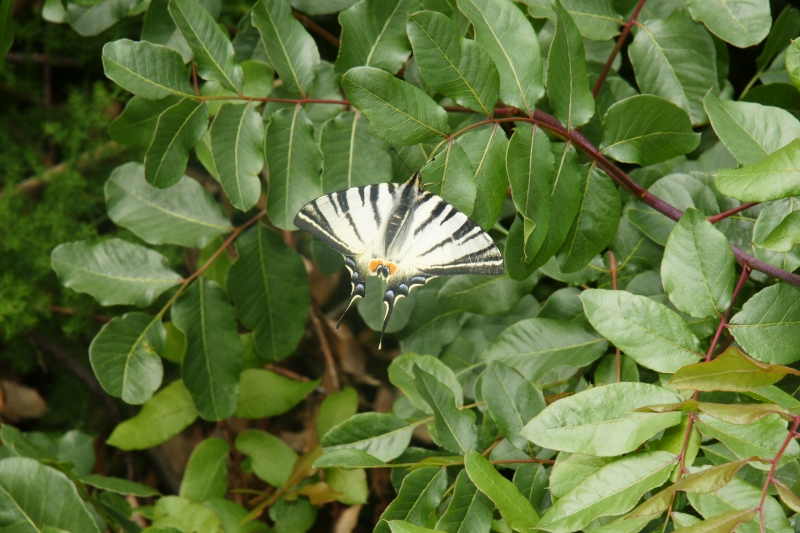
x=624, y=374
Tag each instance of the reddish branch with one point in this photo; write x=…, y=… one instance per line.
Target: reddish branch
x=723, y=322
x=319, y=30
x=731, y=212
x=617, y=47
x=771, y=476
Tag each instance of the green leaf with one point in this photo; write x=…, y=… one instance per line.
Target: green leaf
x=185, y=515
x=206, y=474
x=119, y=485
x=163, y=416
x=374, y=34
x=396, y=110
x=738, y=496
x=484, y=295
x=532, y=480
x=571, y=469
x=271, y=458
x=750, y=131
x=348, y=458
x=470, y=511
x=647, y=129
x=785, y=28
x=400, y=526
x=382, y=435
x=457, y=68
x=185, y=214
x=335, y=409
x=596, y=19
x=419, y=495
x=264, y=394
x=648, y=332
x=237, y=135
x=26, y=487
x=343, y=141
x=371, y=307
x=350, y=484
x=568, y=90
x=125, y=356
x=486, y=150
x=724, y=523
x=603, y=421
x=114, y=272
x=292, y=51
x=674, y=58
x=213, y=359
x=762, y=438
x=530, y=163
x=788, y=497
x=730, y=371
x=512, y=401
x=768, y=325
x=566, y=202
x=702, y=482
x=136, y=125
x=513, y=506
x=450, y=175
x=741, y=414
x=770, y=217
x=321, y=7
x=401, y=375
x=179, y=129
x=612, y=490
x=147, y=70
x=213, y=51
x=536, y=345
x=455, y=429
x=294, y=162
x=793, y=62
x=431, y=327
x=774, y=177
x=784, y=236
x=595, y=224
x=268, y=285
x=742, y=24
x=504, y=32
x=698, y=270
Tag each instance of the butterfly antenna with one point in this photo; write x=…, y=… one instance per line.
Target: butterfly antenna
x=401, y=159
x=388, y=299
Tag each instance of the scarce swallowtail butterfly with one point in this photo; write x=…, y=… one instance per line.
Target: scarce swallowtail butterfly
x=400, y=232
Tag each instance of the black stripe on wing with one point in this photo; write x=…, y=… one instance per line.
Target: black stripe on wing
x=313, y=220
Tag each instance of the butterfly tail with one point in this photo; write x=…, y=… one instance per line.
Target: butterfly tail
x=358, y=281
x=389, y=299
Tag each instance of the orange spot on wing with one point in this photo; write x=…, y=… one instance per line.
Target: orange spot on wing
x=392, y=268
x=373, y=265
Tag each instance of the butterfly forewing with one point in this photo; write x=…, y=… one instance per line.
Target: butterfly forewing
x=348, y=221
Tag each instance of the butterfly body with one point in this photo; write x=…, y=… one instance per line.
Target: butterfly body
x=400, y=232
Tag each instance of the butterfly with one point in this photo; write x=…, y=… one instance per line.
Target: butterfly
x=400, y=232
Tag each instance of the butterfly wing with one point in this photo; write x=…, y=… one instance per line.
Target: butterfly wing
x=447, y=242
x=348, y=220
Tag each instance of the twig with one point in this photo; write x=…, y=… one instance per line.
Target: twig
x=723, y=322
x=617, y=47
x=319, y=30
x=731, y=212
x=771, y=476
x=59, y=61
x=330, y=363
x=195, y=83
x=68, y=311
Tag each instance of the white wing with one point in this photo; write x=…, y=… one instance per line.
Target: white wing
x=349, y=220
x=447, y=242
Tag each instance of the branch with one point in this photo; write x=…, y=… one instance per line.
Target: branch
x=731, y=212
x=723, y=322
x=771, y=476
x=622, y=36
x=319, y=30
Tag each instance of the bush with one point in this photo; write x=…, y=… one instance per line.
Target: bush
x=634, y=368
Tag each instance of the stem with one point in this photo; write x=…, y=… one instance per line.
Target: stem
x=731, y=212
x=617, y=47
x=236, y=232
x=319, y=30
x=771, y=476
x=281, y=100
x=723, y=322
x=195, y=83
